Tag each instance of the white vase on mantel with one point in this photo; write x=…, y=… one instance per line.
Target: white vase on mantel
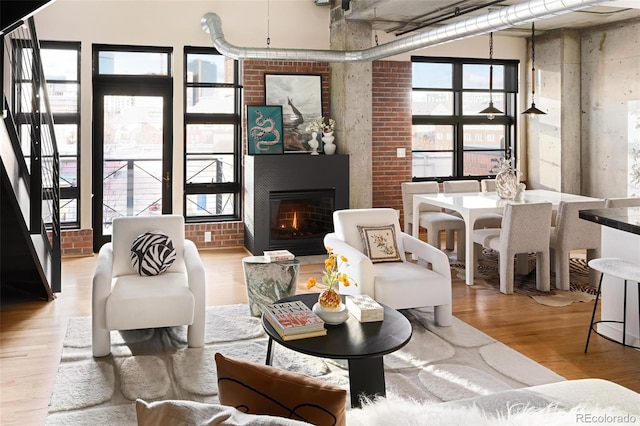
x=329, y=147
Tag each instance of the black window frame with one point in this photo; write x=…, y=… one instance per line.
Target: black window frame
x=234, y=187
x=128, y=48
x=458, y=120
x=130, y=84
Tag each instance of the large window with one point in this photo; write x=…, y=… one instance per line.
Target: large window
x=451, y=138
x=61, y=65
x=212, y=136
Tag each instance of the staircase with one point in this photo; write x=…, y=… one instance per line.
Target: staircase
x=30, y=252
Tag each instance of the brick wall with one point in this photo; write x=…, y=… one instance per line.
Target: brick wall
x=223, y=234
x=76, y=242
x=253, y=79
x=391, y=129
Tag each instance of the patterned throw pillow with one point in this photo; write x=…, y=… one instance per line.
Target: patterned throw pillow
x=262, y=389
x=152, y=253
x=379, y=243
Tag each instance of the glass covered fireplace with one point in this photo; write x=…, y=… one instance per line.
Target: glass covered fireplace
x=299, y=220
x=279, y=189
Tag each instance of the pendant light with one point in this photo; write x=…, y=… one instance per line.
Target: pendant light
x=491, y=111
x=533, y=110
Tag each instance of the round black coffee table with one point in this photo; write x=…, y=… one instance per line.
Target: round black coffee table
x=362, y=344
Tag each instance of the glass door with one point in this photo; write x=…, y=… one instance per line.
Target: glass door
x=132, y=155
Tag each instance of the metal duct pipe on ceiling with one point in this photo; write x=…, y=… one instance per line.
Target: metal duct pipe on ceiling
x=492, y=21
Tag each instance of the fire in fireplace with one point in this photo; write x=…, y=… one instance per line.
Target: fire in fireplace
x=299, y=220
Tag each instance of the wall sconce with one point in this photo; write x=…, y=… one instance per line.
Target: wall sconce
x=491, y=111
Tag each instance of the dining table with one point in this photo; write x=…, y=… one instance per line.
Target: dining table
x=471, y=205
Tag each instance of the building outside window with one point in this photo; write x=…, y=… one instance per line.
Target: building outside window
x=451, y=139
x=61, y=64
x=212, y=136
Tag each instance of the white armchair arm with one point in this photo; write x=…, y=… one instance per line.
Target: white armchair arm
x=359, y=269
x=438, y=259
x=197, y=285
x=102, y=278
x=195, y=269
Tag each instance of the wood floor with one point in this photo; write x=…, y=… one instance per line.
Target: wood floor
x=32, y=332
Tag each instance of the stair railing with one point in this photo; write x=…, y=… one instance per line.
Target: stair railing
x=34, y=117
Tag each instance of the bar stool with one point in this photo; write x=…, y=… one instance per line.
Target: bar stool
x=625, y=270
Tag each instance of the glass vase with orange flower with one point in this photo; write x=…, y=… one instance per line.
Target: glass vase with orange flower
x=329, y=299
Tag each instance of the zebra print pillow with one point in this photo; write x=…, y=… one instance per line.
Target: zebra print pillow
x=152, y=253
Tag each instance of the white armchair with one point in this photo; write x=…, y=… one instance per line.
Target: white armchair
x=402, y=284
x=124, y=300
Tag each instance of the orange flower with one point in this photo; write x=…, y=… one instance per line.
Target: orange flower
x=311, y=282
x=331, y=276
x=330, y=262
x=344, y=279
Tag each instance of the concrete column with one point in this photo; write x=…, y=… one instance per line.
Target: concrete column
x=554, y=142
x=611, y=110
x=571, y=146
x=351, y=106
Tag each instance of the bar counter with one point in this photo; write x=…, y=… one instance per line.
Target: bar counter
x=620, y=238
x=623, y=218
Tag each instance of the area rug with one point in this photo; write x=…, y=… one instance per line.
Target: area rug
x=438, y=364
x=488, y=276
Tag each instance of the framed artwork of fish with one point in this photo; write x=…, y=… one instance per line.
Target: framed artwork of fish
x=264, y=129
x=300, y=96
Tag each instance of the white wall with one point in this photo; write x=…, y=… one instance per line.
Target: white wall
x=290, y=24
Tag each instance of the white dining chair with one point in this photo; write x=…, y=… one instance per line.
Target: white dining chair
x=432, y=218
x=452, y=186
x=573, y=233
x=622, y=202
x=525, y=229
x=485, y=220
x=488, y=185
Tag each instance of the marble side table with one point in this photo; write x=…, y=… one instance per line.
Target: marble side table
x=269, y=281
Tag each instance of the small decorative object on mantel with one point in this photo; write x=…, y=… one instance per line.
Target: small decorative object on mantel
x=329, y=147
x=330, y=307
x=507, y=178
x=325, y=125
x=313, y=143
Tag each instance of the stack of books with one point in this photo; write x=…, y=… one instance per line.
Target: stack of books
x=364, y=308
x=278, y=255
x=294, y=320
